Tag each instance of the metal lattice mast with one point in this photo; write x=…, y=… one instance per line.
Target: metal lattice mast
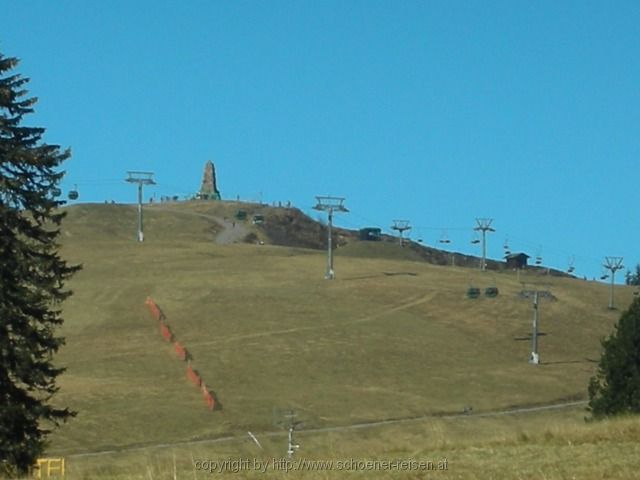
x=401, y=226
x=484, y=226
x=140, y=178
x=330, y=204
x=613, y=264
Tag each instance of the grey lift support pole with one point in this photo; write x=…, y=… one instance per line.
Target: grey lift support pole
x=292, y=446
x=534, y=357
x=140, y=178
x=400, y=226
x=613, y=264
x=330, y=204
x=484, y=226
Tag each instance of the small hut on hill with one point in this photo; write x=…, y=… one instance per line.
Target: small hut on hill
x=516, y=260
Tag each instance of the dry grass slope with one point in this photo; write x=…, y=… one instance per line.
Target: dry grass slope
x=389, y=338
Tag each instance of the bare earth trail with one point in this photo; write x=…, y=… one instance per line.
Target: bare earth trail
x=232, y=231
x=355, y=426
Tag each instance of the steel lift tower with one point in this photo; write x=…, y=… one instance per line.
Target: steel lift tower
x=613, y=264
x=140, y=178
x=484, y=226
x=537, y=295
x=401, y=226
x=330, y=205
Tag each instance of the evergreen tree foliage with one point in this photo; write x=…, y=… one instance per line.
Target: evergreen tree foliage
x=615, y=389
x=633, y=278
x=32, y=276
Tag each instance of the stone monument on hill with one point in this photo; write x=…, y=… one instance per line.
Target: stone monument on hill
x=208, y=188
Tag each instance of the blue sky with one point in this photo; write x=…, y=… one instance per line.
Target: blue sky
x=435, y=112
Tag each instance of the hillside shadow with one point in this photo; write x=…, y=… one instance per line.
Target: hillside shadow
x=378, y=275
x=362, y=277
x=528, y=337
x=566, y=362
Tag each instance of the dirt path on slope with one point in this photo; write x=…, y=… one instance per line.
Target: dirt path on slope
x=232, y=231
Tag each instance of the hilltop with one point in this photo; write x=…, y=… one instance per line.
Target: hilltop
x=281, y=226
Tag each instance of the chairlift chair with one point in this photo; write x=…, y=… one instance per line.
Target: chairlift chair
x=538, y=260
x=473, y=292
x=73, y=194
x=571, y=268
x=491, y=292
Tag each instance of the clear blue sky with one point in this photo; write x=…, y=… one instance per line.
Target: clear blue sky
x=435, y=112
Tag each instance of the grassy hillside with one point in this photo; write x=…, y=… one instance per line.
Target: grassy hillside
x=544, y=446
x=389, y=338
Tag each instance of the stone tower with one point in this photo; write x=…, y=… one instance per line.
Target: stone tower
x=208, y=188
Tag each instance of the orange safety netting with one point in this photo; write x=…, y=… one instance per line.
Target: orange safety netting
x=180, y=351
x=165, y=332
x=208, y=398
x=153, y=308
x=193, y=376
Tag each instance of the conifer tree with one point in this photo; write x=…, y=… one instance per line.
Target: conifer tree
x=615, y=389
x=633, y=278
x=32, y=276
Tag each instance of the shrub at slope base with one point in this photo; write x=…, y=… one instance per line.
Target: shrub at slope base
x=616, y=387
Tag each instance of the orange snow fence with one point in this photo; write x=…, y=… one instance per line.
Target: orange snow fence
x=180, y=351
x=153, y=308
x=193, y=376
x=165, y=332
x=208, y=398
